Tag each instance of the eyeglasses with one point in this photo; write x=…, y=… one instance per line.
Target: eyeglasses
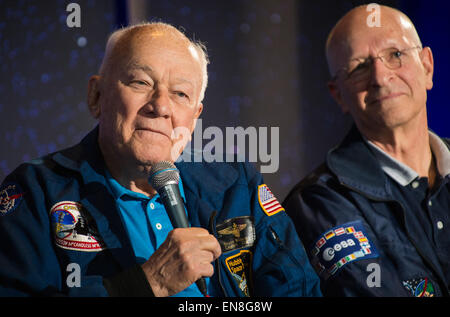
x=359, y=69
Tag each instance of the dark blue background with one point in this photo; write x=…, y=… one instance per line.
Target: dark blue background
x=267, y=70
x=432, y=20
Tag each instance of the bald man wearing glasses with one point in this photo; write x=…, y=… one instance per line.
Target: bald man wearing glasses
x=375, y=217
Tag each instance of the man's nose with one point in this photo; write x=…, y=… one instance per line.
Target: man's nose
x=380, y=73
x=160, y=104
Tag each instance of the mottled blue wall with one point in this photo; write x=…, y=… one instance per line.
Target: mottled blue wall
x=45, y=66
x=267, y=70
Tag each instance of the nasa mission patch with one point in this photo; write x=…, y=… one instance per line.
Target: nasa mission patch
x=11, y=195
x=339, y=246
x=71, y=228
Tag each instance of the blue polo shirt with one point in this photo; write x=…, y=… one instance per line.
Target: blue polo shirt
x=146, y=222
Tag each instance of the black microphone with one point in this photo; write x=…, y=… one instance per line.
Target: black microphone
x=164, y=178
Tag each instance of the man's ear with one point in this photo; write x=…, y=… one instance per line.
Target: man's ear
x=94, y=96
x=336, y=94
x=197, y=114
x=199, y=110
x=426, y=57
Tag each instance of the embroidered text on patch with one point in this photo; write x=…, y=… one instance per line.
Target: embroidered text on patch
x=236, y=233
x=71, y=228
x=340, y=246
x=267, y=201
x=239, y=266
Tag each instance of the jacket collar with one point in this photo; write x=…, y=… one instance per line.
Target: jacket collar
x=441, y=150
x=355, y=166
x=205, y=185
x=401, y=172
x=196, y=175
x=84, y=158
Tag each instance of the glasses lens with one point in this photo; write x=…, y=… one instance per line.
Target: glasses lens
x=392, y=58
x=359, y=69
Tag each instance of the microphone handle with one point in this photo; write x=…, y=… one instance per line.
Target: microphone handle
x=171, y=197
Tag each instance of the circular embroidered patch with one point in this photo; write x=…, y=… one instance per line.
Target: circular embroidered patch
x=11, y=195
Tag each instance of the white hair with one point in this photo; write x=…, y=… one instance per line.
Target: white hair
x=199, y=48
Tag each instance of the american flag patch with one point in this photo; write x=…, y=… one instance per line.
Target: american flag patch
x=267, y=200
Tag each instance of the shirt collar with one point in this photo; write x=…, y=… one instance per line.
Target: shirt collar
x=118, y=190
x=402, y=173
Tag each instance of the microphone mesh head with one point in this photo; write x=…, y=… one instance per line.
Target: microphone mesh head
x=163, y=173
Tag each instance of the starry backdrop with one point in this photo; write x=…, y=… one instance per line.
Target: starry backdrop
x=267, y=69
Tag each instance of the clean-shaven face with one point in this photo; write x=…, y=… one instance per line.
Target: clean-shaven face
x=152, y=89
x=388, y=97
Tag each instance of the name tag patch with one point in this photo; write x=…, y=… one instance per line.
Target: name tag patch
x=339, y=246
x=71, y=228
x=236, y=233
x=10, y=197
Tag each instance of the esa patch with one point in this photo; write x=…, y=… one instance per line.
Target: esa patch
x=72, y=229
x=236, y=233
x=239, y=266
x=267, y=201
x=11, y=195
x=419, y=287
x=340, y=246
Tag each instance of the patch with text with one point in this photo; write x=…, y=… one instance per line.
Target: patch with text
x=239, y=266
x=236, y=233
x=72, y=229
x=339, y=246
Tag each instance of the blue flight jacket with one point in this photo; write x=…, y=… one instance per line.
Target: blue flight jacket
x=359, y=237
x=57, y=219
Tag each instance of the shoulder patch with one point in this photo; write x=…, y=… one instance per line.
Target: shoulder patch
x=72, y=229
x=339, y=246
x=267, y=201
x=11, y=195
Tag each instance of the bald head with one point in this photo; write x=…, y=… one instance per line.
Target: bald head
x=124, y=41
x=356, y=25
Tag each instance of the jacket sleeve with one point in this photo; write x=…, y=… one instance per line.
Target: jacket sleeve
x=322, y=210
x=29, y=265
x=29, y=262
x=280, y=264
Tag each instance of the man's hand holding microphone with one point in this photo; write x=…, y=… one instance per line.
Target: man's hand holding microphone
x=187, y=254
